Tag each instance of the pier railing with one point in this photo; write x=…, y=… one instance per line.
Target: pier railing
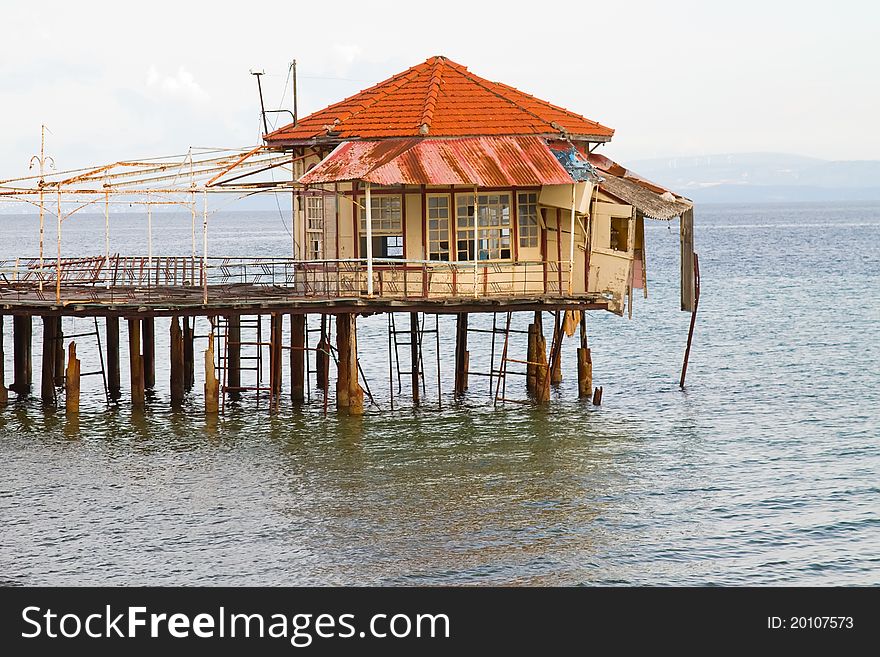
x=251, y=279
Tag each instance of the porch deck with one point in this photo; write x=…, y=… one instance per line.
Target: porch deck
x=163, y=286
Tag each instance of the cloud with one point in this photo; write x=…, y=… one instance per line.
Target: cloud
x=181, y=85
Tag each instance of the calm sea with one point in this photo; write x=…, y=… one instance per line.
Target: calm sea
x=764, y=471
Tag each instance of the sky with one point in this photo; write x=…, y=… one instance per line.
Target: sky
x=118, y=80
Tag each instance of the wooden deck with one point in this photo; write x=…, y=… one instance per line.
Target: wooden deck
x=244, y=298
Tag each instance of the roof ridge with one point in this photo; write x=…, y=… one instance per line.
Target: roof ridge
x=476, y=79
x=433, y=93
x=549, y=104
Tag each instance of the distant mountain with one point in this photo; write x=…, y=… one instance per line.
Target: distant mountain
x=757, y=177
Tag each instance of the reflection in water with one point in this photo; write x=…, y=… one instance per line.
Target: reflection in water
x=763, y=471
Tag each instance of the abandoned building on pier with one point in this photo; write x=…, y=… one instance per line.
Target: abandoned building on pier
x=433, y=192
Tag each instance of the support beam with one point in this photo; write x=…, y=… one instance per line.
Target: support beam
x=542, y=369
x=688, y=288
x=212, y=384
x=60, y=355
x=233, y=356
x=297, y=358
x=322, y=358
x=349, y=394
x=531, y=357
x=114, y=387
x=462, y=356
x=177, y=387
x=136, y=365
x=556, y=350
x=72, y=381
x=189, y=356
x=585, y=362
x=4, y=394
x=149, y=352
x=414, y=354
x=21, y=336
x=47, y=375
x=276, y=322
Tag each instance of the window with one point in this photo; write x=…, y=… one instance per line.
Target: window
x=386, y=215
x=387, y=226
x=438, y=228
x=527, y=219
x=494, y=226
x=315, y=227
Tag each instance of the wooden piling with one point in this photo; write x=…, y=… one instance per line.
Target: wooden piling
x=414, y=349
x=47, y=376
x=349, y=394
x=60, y=354
x=136, y=366
x=343, y=349
x=531, y=357
x=542, y=369
x=189, y=357
x=585, y=363
x=297, y=358
x=177, y=373
x=322, y=358
x=597, y=396
x=149, y=352
x=276, y=324
x=114, y=387
x=212, y=384
x=4, y=394
x=462, y=356
x=21, y=338
x=556, y=351
x=72, y=381
x=233, y=356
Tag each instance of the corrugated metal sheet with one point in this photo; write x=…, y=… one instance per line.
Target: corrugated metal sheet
x=651, y=199
x=481, y=161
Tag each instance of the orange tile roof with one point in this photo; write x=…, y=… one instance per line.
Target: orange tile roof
x=438, y=98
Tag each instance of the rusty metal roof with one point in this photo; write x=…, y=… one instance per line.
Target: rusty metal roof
x=482, y=161
x=653, y=200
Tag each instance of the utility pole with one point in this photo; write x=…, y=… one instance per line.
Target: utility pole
x=293, y=75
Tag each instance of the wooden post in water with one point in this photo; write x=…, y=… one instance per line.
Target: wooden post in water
x=21, y=337
x=149, y=352
x=349, y=394
x=542, y=370
x=60, y=355
x=585, y=362
x=322, y=358
x=189, y=357
x=72, y=380
x=462, y=357
x=212, y=385
x=176, y=364
x=233, y=356
x=414, y=349
x=297, y=358
x=136, y=364
x=4, y=395
x=47, y=375
x=597, y=396
x=114, y=387
x=531, y=357
x=556, y=355
x=276, y=326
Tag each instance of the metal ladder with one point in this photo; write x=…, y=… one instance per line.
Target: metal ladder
x=97, y=335
x=252, y=362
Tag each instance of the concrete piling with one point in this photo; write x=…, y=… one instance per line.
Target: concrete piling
x=136, y=365
x=114, y=387
x=148, y=337
x=177, y=369
x=298, y=358
x=47, y=377
x=22, y=372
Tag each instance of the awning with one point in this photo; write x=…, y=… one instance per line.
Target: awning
x=479, y=161
x=647, y=197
